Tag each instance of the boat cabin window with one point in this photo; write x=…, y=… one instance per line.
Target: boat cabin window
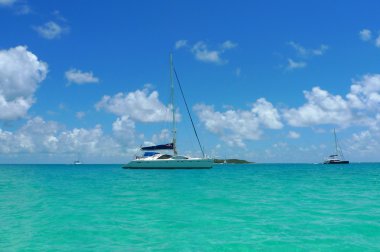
x=180, y=157
x=165, y=156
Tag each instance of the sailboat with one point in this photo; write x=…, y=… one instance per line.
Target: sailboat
x=338, y=157
x=152, y=159
x=77, y=161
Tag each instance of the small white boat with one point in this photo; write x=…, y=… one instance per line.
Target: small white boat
x=77, y=162
x=155, y=160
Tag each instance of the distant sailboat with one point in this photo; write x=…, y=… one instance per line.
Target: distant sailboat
x=77, y=161
x=155, y=160
x=338, y=157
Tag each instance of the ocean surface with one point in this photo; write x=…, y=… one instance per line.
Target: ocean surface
x=259, y=207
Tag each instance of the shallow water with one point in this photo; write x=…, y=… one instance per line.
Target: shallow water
x=276, y=207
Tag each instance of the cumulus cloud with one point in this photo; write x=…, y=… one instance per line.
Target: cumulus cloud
x=365, y=35
x=365, y=143
x=163, y=136
x=359, y=106
x=236, y=126
x=365, y=93
x=202, y=52
x=49, y=138
x=267, y=114
x=79, y=77
x=321, y=108
x=35, y=136
x=141, y=105
x=293, y=135
x=51, y=30
x=40, y=136
x=124, y=130
x=20, y=73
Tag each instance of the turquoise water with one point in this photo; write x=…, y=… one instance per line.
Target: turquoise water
x=267, y=207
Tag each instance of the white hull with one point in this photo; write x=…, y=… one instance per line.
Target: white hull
x=196, y=163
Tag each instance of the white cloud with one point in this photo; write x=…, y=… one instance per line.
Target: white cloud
x=377, y=42
x=40, y=136
x=79, y=77
x=359, y=107
x=364, y=144
x=20, y=74
x=163, y=136
x=299, y=49
x=89, y=141
x=365, y=35
x=203, y=53
x=7, y=2
x=124, y=130
x=19, y=7
x=295, y=64
x=35, y=136
x=232, y=126
x=236, y=126
x=365, y=93
x=139, y=105
x=51, y=30
x=304, y=52
x=320, y=51
x=267, y=114
x=80, y=114
x=180, y=43
x=321, y=108
x=293, y=135
x=228, y=45
x=50, y=141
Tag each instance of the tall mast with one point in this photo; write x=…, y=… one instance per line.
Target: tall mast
x=173, y=107
x=336, y=143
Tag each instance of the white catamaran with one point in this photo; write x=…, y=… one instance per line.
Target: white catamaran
x=151, y=159
x=338, y=157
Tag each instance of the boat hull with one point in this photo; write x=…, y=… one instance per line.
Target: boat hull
x=170, y=164
x=337, y=162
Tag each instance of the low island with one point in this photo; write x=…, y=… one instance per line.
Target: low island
x=231, y=161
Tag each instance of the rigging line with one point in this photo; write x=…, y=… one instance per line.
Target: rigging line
x=188, y=111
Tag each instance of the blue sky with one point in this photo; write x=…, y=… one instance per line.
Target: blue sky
x=266, y=81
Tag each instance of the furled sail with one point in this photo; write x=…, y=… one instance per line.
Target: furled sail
x=168, y=146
